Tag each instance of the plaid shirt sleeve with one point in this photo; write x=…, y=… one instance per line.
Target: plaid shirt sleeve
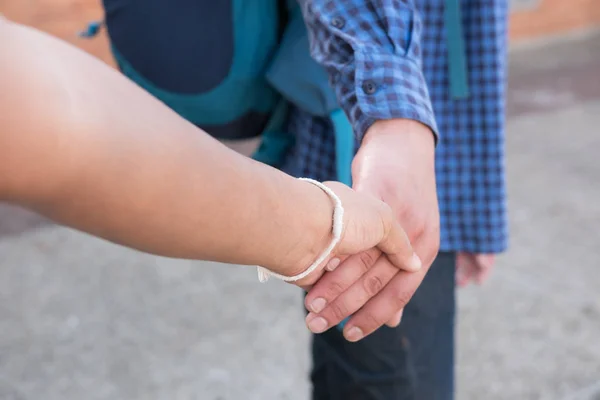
x=372, y=53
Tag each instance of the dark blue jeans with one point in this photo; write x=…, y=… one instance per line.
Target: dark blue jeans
x=412, y=362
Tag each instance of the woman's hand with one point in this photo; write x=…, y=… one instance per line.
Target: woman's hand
x=369, y=224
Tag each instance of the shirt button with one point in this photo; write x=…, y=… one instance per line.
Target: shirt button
x=369, y=87
x=338, y=22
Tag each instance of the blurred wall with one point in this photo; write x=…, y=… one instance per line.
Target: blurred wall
x=539, y=18
x=62, y=18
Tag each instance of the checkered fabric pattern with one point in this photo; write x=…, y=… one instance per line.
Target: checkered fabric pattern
x=388, y=59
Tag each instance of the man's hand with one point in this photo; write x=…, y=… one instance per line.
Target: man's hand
x=395, y=164
x=369, y=224
x=474, y=268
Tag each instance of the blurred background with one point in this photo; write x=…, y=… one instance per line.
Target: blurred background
x=84, y=319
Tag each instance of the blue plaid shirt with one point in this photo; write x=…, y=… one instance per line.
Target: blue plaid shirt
x=389, y=59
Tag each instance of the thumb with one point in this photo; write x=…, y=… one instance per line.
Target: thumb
x=395, y=243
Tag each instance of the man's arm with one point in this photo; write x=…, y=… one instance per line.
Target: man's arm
x=372, y=52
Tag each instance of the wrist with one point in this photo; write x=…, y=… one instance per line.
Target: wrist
x=407, y=129
x=308, y=232
x=398, y=140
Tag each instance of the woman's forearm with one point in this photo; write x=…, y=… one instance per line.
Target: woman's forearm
x=88, y=148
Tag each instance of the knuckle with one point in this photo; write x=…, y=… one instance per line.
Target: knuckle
x=338, y=310
x=418, y=229
x=367, y=259
x=370, y=322
x=334, y=289
x=372, y=285
x=401, y=297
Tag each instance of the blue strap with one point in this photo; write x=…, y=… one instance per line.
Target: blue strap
x=275, y=143
x=457, y=61
x=344, y=146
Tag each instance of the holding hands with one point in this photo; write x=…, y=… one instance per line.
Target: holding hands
x=135, y=173
x=386, y=248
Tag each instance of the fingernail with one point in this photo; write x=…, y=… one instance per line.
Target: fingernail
x=317, y=325
x=318, y=305
x=333, y=264
x=354, y=334
x=415, y=262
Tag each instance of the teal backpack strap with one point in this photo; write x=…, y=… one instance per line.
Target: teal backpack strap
x=275, y=142
x=344, y=145
x=304, y=83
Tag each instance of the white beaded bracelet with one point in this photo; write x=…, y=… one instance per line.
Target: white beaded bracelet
x=338, y=225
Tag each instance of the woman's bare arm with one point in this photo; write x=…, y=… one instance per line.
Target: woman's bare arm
x=83, y=145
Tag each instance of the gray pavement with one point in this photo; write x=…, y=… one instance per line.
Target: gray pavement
x=84, y=319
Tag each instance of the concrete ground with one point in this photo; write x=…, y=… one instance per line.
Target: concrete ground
x=84, y=319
